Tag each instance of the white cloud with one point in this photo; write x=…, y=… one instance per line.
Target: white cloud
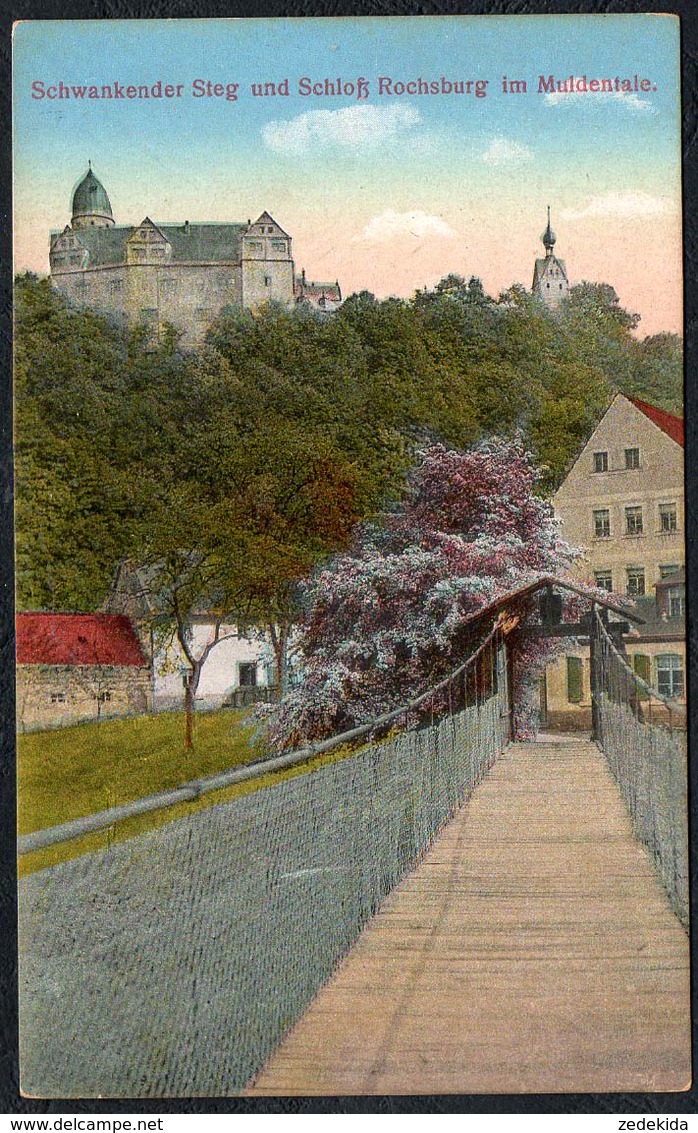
x=502, y=151
x=627, y=99
x=629, y=206
x=353, y=127
x=391, y=225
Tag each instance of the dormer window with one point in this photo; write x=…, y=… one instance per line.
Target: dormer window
x=677, y=601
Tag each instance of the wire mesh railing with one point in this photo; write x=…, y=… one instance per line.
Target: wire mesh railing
x=200, y=944
x=635, y=726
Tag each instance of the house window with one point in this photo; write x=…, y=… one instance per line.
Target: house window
x=248, y=674
x=57, y=698
x=667, y=517
x=279, y=245
x=633, y=521
x=604, y=579
x=104, y=697
x=669, y=674
x=575, y=679
x=602, y=523
x=632, y=458
x=267, y=281
x=635, y=587
x=600, y=462
x=668, y=569
x=677, y=601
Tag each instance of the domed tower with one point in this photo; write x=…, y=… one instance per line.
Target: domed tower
x=91, y=207
x=550, y=283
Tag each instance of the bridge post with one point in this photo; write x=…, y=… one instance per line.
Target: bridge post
x=595, y=675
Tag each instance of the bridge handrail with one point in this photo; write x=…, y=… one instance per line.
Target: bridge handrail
x=188, y=792
x=649, y=689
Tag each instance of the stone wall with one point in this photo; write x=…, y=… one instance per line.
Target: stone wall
x=53, y=696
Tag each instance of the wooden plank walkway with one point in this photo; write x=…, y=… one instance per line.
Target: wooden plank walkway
x=532, y=950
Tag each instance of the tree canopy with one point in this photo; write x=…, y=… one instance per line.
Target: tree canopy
x=260, y=449
x=393, y=615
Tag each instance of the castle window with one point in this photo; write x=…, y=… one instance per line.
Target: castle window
x=667, y=518
x=633, y=521
x=267, y=281
x=632, y=458
x=602, y=523
x=635, y=585
x=669, y=674
x=600, y=462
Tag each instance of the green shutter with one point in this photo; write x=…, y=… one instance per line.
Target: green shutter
x=642, y=664
x=575, y=679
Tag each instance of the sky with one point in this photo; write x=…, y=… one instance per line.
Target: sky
x=389, y=191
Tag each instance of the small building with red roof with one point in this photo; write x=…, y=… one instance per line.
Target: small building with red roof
x=77, y=667
x=622, y=502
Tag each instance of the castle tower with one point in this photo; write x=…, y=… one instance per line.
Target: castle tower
x=91, y=207
x=550, y=283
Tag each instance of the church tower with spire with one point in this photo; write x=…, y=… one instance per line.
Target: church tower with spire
x=550, y=283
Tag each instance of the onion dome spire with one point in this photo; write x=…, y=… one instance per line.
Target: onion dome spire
x=549, y=237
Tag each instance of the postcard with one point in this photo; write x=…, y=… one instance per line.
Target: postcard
x=351, y=649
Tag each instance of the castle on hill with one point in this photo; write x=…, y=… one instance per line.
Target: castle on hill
x=183, y=274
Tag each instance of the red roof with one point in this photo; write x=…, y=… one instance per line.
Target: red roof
x=77, y=639
x=667, y=422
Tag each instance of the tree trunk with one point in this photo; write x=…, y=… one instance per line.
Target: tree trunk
x=279, y=639
x=188, y=713
x=192, y=683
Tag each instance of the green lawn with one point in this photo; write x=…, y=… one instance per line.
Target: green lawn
x=69, y=772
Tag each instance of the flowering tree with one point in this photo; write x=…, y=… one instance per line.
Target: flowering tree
x=393, y=616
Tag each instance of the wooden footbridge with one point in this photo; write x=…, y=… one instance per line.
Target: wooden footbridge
x=440, y=911
x=533, y=949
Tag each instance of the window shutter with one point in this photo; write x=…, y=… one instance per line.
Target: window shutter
x=575, y=677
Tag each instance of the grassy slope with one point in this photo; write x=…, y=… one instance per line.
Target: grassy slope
x=69, y=772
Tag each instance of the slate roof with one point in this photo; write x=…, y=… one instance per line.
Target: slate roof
x=77, y=639
x=656, y=627
x=191, y=243
x=667, y=422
